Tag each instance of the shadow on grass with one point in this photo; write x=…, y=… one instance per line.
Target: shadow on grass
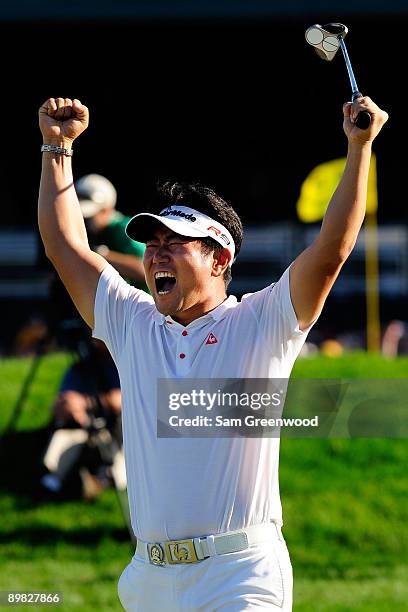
x=20, y=460
x=21, y=469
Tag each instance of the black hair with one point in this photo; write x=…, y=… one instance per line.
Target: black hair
x=205, y=200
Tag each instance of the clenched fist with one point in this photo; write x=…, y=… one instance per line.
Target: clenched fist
x=351, y=111
x=62, y=120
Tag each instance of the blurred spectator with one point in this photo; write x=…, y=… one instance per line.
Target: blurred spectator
x=106, y=234
x=331, y=348
x=392, y=342
x=28, y=338
x=86, y=434
x=106, y=228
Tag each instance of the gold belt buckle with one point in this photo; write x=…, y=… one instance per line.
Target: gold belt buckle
x=156, y=554
x=180, y=551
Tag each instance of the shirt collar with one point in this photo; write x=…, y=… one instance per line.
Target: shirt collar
x=214, y=314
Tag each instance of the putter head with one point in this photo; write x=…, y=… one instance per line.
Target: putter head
x=325, y=39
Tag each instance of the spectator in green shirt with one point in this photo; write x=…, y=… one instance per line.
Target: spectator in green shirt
x=106, y=228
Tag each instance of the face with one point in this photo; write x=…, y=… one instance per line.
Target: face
x=181, y=278
x=99, y=221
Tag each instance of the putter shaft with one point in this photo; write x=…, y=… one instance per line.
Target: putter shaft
x=354, y=88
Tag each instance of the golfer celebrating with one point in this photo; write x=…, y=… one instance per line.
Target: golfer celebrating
x=206, y=512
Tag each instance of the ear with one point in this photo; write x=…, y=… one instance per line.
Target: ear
x=220, y=263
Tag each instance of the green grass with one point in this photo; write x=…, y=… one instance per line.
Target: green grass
x=345, y=509
x=76, y=548
x=385, y=592
x=351, y=365
x=37, y=407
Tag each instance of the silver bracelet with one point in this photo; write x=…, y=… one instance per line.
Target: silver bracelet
x=47, y=148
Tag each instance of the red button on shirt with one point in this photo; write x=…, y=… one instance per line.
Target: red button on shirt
x=184, y=333
x=182, y=355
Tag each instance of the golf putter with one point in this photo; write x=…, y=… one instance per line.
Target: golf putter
x=326, y=41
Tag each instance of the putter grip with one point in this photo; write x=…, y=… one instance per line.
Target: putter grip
x=363, y=120
x=363, y=117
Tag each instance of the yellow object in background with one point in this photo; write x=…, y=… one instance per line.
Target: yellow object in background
x=372, y=197
x=319, y=186
x=315, y=194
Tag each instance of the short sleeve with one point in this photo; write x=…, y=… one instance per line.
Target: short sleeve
x=115, y=304
x=276, y=315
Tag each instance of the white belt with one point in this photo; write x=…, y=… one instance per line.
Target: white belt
x=192, y=550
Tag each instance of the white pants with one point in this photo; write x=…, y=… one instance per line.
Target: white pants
x=259, y=577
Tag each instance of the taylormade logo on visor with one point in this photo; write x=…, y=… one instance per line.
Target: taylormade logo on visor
x=178, y=213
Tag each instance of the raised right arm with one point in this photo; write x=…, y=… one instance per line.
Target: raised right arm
x=60, y=219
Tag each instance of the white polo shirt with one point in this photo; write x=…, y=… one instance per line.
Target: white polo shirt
x=187, y=487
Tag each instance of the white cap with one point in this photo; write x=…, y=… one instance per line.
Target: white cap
x=184, y=221
x=95, y=193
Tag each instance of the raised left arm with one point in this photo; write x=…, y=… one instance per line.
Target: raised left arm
x=315, y=270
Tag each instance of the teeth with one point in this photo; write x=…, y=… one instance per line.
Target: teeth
x=164, y=275
x=160, y=276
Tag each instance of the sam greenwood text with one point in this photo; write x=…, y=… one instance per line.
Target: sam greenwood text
x=248, y=421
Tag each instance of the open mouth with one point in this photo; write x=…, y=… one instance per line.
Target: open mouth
x=165, y=282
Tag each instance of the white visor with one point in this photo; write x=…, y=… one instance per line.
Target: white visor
x=184, y=221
